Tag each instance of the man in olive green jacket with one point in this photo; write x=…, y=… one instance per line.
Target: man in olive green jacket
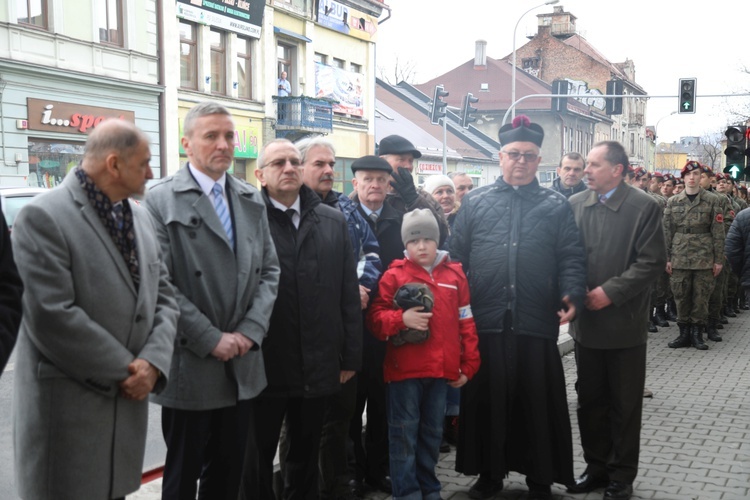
x=624, y=238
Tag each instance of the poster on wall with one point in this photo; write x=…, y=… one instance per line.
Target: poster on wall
x=339, y=17
x=241, y=16
x=342, y=86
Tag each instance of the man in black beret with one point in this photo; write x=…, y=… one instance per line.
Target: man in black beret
x=403, y=195
x=522, y=253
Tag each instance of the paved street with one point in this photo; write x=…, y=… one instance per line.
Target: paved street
x=696, y=429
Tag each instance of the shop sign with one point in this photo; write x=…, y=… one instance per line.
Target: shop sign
x=425, y=168
x=246, y=140
x=473, y=171
x=70, y=118
x=241, y=16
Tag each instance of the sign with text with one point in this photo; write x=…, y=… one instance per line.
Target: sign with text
x=246, y=140
x=241, y=16
x=342, y=86
x=425, y=168
x=344, y=19
x=70, y=118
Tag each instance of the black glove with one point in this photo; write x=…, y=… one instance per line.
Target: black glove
x=408, y=296
x=403, y=183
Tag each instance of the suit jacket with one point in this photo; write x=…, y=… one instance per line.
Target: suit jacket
x=83, y=322
x=218, y=289
x=625, y=248
x=10, y=296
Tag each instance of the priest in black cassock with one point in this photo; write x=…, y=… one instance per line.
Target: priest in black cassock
x=522, y=252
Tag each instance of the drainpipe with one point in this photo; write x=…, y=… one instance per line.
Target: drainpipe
x=162, y=96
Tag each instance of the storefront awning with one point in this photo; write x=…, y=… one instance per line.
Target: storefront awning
x=291, y=34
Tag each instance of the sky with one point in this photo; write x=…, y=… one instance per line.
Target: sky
x=666, y=39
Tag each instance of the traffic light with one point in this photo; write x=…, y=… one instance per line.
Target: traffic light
x=467, y=110
x=687, y=95
x=560, y=87
x=614, y=104
x=437, y=109
x=736, y=149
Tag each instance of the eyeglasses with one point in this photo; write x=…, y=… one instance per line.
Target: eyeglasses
x=515, y=156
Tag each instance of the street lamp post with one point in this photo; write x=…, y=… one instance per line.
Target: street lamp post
x=513, y=83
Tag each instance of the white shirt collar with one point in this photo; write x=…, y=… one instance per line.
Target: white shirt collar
x=205, y=182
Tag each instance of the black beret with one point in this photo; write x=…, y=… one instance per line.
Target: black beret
x=397, y=145
x=521, y=130
x=371, y=162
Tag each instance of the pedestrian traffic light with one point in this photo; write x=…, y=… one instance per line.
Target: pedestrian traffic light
x=614, y=104
x=687, y=95
x=560, y=87
x=437, y=109
x=736, y=150
x=467, y=110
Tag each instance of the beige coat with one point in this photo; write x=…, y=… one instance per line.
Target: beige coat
x=83, y=323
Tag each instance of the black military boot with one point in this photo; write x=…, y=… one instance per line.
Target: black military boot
x=743, y=302
x=684, y=339
x=728, y=311
x=659, y=318
x=722, y=319
x=671, y=313
x=652, y=327
x=711, y=332
x=696, y=337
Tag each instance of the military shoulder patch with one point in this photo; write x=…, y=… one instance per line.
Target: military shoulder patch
x=720, y=218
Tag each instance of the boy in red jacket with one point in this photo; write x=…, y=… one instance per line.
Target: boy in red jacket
x=418, y=371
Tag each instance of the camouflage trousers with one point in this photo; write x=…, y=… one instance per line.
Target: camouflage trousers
x=732, y=282
x=692, y=289
x=718, y=296
x=660, y=291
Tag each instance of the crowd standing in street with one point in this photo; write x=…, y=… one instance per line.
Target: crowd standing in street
x=99, y=317
x=622, y=231
x=217, y=245
x=259, y=320
x=521, y=250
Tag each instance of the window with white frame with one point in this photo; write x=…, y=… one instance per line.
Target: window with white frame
x=244, y=68
x=32, y=13
x=110, y=22
x=218, y=61
x=188, y=56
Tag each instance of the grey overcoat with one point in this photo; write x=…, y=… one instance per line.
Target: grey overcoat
x=218, y=290
x=83, y=323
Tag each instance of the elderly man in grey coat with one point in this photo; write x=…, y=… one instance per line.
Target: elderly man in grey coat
x=216, y=242
x=99, y=319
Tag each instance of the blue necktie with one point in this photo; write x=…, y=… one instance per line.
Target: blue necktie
x=223, y=212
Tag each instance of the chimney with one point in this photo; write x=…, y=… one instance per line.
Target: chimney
x=480, y=55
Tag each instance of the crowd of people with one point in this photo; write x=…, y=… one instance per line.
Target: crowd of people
x=274, y=318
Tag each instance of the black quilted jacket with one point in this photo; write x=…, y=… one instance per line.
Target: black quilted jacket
x=522, y=252
x=737, y=247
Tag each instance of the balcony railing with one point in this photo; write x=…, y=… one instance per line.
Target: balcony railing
x=304, y=114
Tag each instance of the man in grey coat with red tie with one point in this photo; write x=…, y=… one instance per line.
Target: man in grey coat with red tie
x=214, y=235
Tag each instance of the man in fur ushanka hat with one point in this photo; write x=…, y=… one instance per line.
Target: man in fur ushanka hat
x=520, y=247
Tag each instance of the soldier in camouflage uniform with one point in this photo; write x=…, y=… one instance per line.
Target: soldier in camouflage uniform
x=724, y=186
x=661, y=285
x=670, y=310
x=679, y=185
x=694, y=228
x=716, y=301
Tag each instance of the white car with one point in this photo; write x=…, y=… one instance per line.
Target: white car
x=14, y=198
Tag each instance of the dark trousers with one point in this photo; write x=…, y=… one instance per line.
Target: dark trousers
x=334, y=476
x=205, y=445
x=304, y=420
x=610, y=402
x=371, y=456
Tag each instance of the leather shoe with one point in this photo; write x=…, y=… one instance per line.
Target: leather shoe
x=618, y=491
x=587, y=483
x=485, y=488
x=380, y=483
x=444, y=446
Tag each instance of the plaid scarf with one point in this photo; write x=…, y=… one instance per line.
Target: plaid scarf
x=121, y=232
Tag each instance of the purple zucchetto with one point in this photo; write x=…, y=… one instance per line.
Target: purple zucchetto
x=521, y=130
